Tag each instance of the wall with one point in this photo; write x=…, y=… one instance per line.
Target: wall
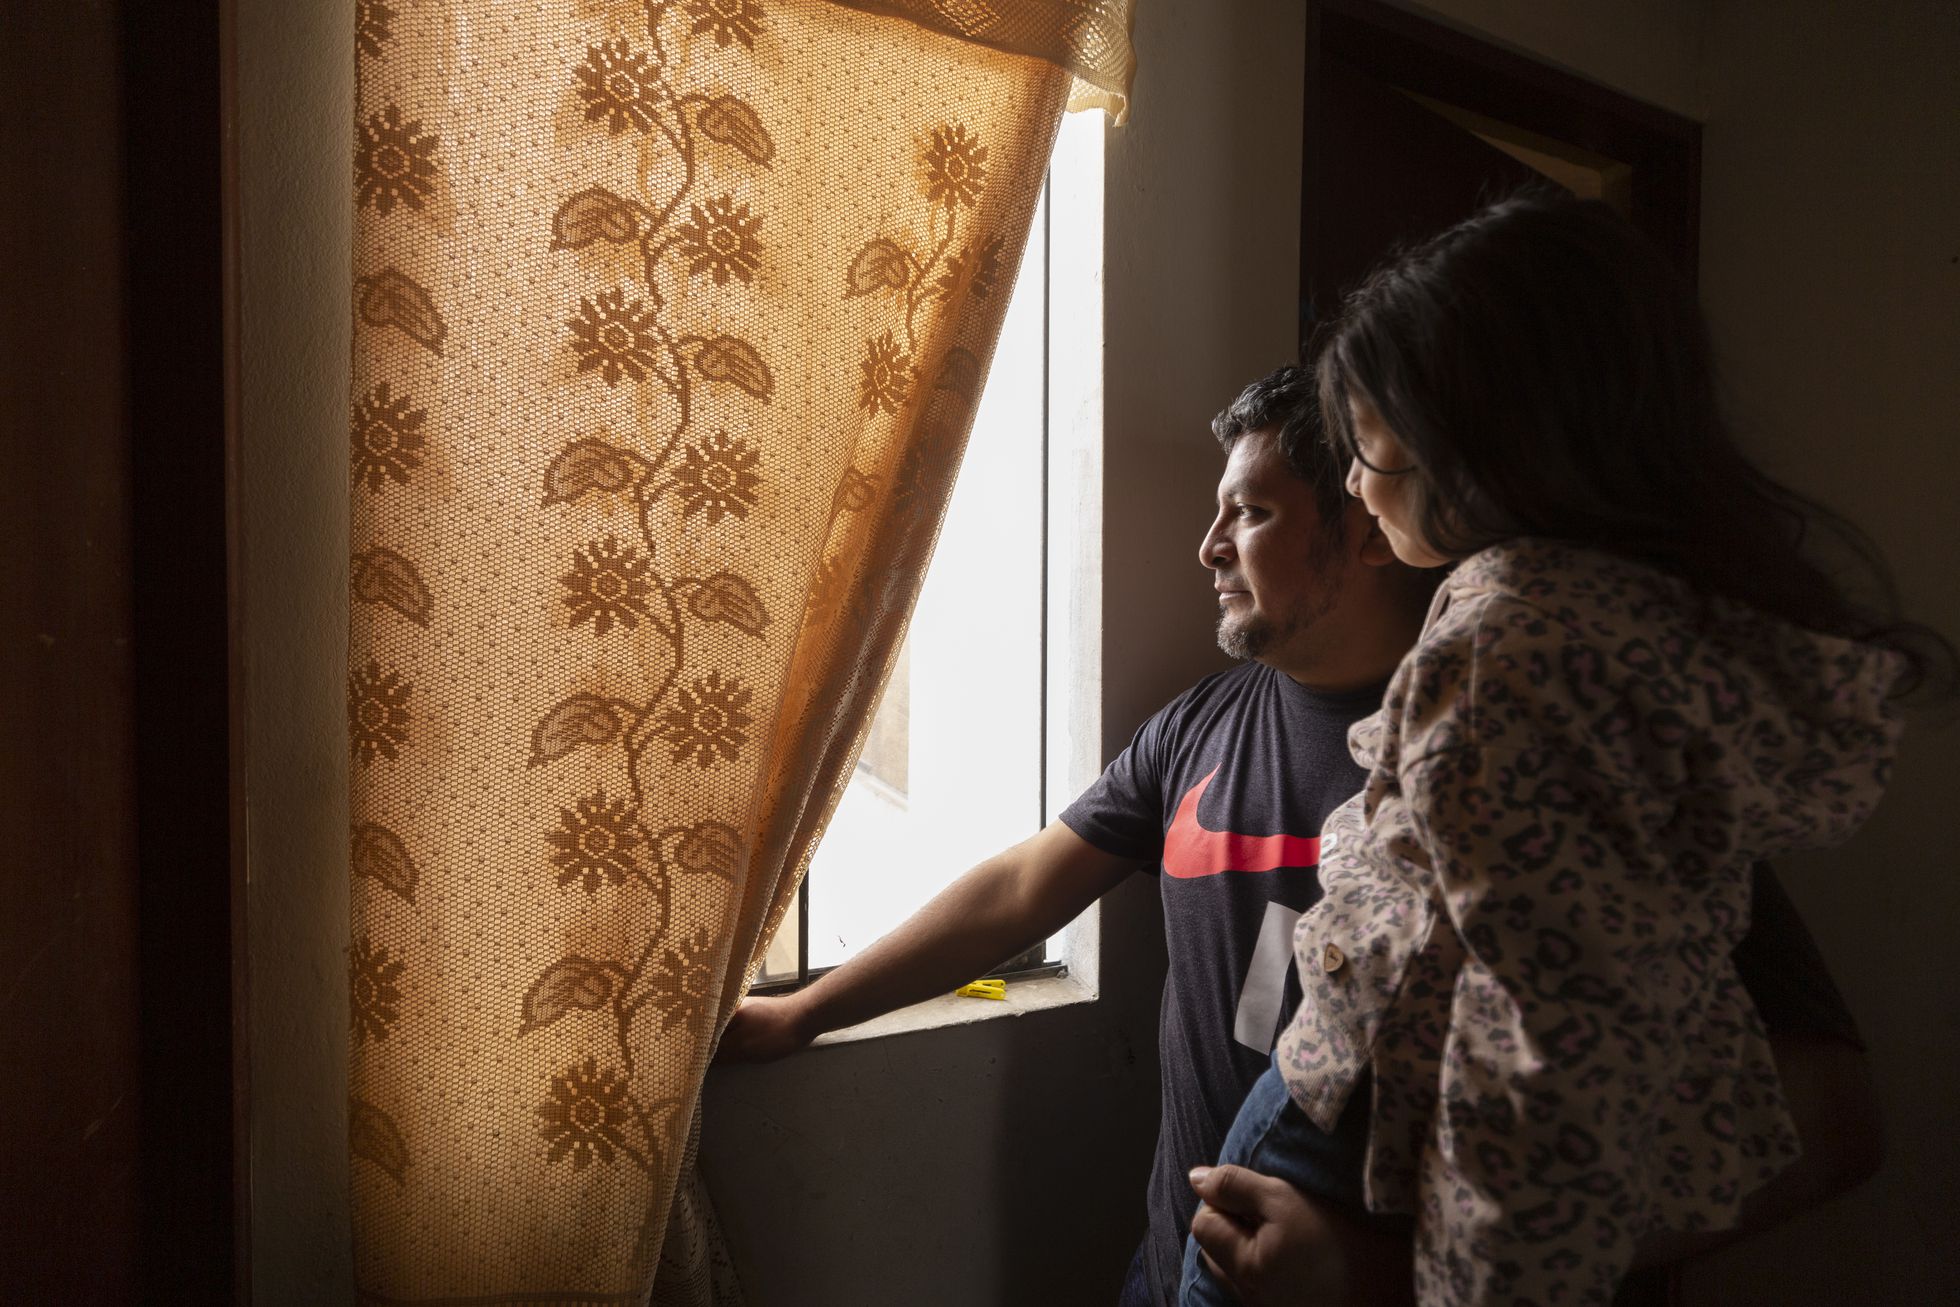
x=1831, y=277
x=292, y=117
x=1827, y=193
x=1649, y=49
x=1039, y=1128
x=1831, y=272
x=1038, y=1131
x=1827, y=132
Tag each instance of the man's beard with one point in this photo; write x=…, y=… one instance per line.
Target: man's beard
x=1254, y=634
x=1248, y=637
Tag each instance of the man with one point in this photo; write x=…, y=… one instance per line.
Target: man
x=1223, y=793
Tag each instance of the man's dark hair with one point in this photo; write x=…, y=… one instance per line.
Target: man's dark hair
x=1286, y=403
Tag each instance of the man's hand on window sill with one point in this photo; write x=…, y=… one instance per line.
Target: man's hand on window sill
x=763, y=1030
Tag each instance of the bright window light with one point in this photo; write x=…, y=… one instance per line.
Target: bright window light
x=987, y=722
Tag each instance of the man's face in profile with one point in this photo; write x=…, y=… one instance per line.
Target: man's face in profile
x=1276, y=573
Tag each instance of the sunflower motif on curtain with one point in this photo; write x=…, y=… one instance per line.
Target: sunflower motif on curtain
x=670, y=318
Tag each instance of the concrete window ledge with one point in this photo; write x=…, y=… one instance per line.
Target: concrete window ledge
x=1023, y=997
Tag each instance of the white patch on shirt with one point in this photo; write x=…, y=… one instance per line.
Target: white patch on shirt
x=1257, y=1023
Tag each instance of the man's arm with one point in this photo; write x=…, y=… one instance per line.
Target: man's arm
x=1819, y=1059
x=1827, y=1085
x=1276, y=1245
x=999, y=908
x=1271, y=1242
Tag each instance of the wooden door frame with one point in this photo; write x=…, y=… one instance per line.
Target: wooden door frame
x=1662, y=148
x=190, y=948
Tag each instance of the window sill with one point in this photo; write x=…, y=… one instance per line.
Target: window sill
x=1023, y=997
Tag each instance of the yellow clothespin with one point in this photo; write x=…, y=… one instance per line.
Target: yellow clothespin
x=984, y=989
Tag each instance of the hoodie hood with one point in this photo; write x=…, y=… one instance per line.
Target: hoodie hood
x=1766, y=736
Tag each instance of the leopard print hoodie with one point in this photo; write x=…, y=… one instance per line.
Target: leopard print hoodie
x=1530, y=909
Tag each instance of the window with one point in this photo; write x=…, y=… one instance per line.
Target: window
x=987, y=722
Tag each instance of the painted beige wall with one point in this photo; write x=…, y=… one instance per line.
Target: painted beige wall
x=965, y=1167
x=293, y=116
x=1831, y=272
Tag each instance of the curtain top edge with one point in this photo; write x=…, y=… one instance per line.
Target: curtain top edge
x=1088, y=38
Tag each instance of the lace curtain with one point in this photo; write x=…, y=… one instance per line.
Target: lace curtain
x=670, y=321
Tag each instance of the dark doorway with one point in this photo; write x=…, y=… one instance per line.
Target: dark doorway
x=1411, y=126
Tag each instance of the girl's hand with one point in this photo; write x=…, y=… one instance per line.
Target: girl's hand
x=1276, y=1245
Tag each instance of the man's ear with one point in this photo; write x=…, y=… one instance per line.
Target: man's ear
x=1371, y=547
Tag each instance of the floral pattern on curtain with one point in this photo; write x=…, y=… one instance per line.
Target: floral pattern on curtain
x=670, y=321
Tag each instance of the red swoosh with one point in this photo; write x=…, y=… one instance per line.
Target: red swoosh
x=1191, y=851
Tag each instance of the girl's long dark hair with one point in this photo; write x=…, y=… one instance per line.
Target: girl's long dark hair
x=1550, y=375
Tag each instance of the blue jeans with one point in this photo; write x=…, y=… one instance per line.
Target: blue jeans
x=1274, y=1137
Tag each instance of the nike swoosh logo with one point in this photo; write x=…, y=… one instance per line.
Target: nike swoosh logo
x=1191, y=851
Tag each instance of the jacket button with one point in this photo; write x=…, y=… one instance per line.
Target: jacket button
x=1333, y=959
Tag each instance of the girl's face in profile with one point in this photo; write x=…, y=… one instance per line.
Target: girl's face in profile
x=1383, y=477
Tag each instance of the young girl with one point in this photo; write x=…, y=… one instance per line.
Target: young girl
x=1632, y=687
